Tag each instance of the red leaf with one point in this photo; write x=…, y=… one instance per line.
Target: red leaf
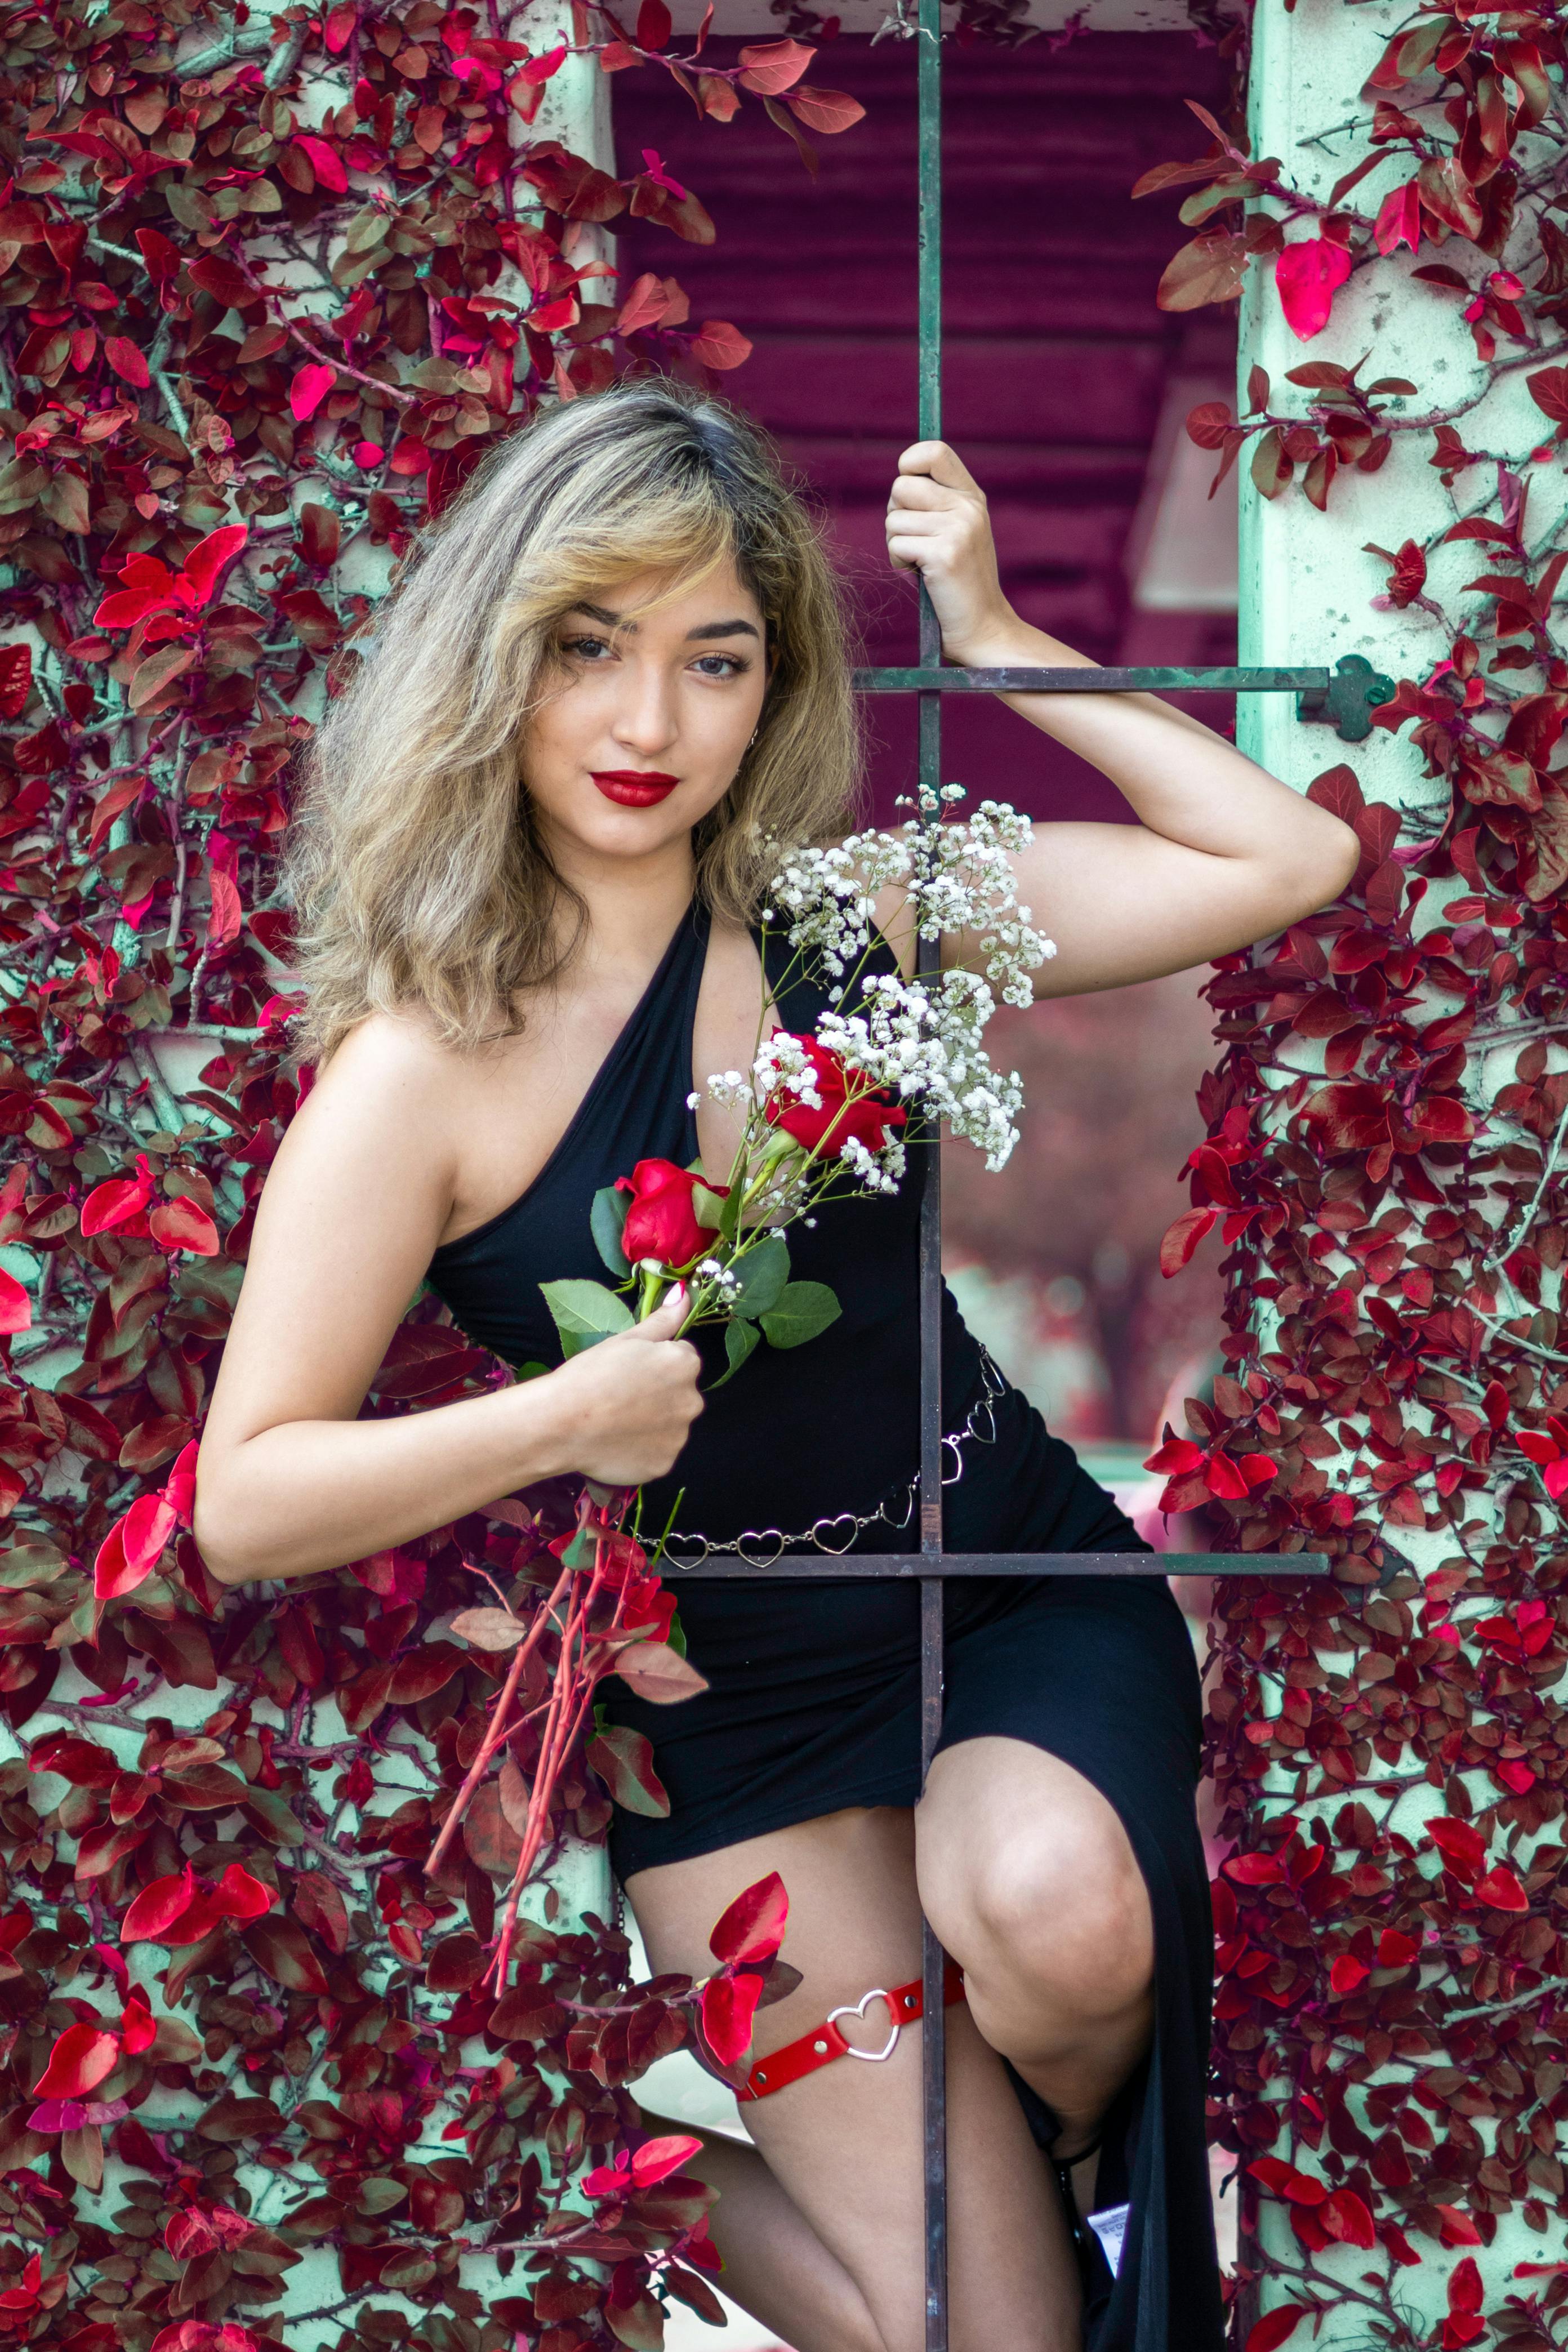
x=179, y=1486
x=183, y=1224
x=126, y=360
x=80, y=2061
x=325, y=161
x=769, y=68
x=1253, y=1869
x=16, y=679
x=1275, y=2327
x=1502, y=1890
x=1345, y=2216
x=656, y=1671
x=1208, y=423
x=226, y=909
x=133, y=1546
x=649, y=302
x=211, y=557
x=114, y=1203
x=1307, y=276
x=752, y=1927
x=1461, y=1845
x=720, y=345
x=1182, y=1238
x=1399, y=220
x=158, y=1907
x=653, y=26
x=15, y=1307
x=220, y=279
x=658, y=2158
x=1464, y=2291
x=1284, y=2180
x=1549, y=390
x=280, y=1947
x=310, y=386
x=1225, y=1478
x=138, y=2029
x=240, y=1896
x=623, y=1761
x=729, y=2006
x=828, y=112
x=1176, y=1458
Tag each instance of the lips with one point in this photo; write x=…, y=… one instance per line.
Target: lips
x=635, y=787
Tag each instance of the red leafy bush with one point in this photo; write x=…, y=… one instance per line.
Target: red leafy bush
x=272, y=285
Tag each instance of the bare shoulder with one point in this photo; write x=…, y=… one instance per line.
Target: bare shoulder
x=393, y=1096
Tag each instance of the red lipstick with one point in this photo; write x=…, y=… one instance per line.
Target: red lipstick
x=634, y=787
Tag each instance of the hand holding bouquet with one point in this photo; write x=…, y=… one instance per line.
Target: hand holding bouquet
x=821, y=1115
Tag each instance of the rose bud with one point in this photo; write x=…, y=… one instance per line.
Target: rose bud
x=661, y=1221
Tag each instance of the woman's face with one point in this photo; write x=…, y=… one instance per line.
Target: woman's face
x=652, y=717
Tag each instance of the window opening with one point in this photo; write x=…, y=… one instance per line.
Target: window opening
x=1342, y=694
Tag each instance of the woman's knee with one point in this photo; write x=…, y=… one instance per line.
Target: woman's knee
x=1047, y=1907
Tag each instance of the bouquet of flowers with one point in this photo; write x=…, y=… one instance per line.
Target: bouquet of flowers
x=825, y=1114
x=821, y=1115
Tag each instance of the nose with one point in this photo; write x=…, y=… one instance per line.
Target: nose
x=646, y=720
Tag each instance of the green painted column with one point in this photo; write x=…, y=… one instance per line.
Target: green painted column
x=1308, y=591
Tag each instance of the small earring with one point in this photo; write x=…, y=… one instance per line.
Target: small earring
x=753, y=735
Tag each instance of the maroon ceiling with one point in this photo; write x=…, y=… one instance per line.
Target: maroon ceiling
x=1056, y=356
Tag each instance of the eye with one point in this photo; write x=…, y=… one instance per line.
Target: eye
x=588, y=649
x=720, y=666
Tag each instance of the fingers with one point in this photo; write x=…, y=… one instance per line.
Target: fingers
x=942, y=464
x=919, y=493
x=665, y=1321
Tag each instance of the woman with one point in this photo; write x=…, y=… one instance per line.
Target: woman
x=530, y=863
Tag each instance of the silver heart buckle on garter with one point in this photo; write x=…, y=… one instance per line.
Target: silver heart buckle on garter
x=857, y=2008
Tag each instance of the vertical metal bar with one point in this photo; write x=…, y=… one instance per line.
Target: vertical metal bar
x=934, y=2037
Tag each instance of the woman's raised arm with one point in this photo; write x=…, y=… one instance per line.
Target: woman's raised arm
x=1223, y=853
x=288, y=1481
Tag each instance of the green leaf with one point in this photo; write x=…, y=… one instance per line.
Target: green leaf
x=806, y=1309
x=739, y=1338
x=761, y=1272
x=606, y=1223
x=708, y=1208
x=585, y=1313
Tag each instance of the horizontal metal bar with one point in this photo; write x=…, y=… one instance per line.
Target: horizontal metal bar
x=943, y=680
x=805, y=1565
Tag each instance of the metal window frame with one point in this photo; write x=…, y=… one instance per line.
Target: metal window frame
x=1344, y=698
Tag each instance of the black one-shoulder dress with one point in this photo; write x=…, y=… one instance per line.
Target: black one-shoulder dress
x=813, y=1697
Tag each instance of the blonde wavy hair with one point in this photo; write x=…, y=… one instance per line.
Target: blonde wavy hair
x=418, y=877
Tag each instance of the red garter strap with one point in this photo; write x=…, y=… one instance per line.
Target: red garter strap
x=824, y=2042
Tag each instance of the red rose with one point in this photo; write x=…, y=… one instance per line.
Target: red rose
x=869, y=1118
x=661, y=1222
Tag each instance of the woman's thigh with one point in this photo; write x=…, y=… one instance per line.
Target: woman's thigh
x=846, y=2142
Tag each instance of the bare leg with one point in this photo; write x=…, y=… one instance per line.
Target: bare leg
x=822, y=2228
x=1028, y=1878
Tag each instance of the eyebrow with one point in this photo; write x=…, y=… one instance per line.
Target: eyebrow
x=608, y=620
